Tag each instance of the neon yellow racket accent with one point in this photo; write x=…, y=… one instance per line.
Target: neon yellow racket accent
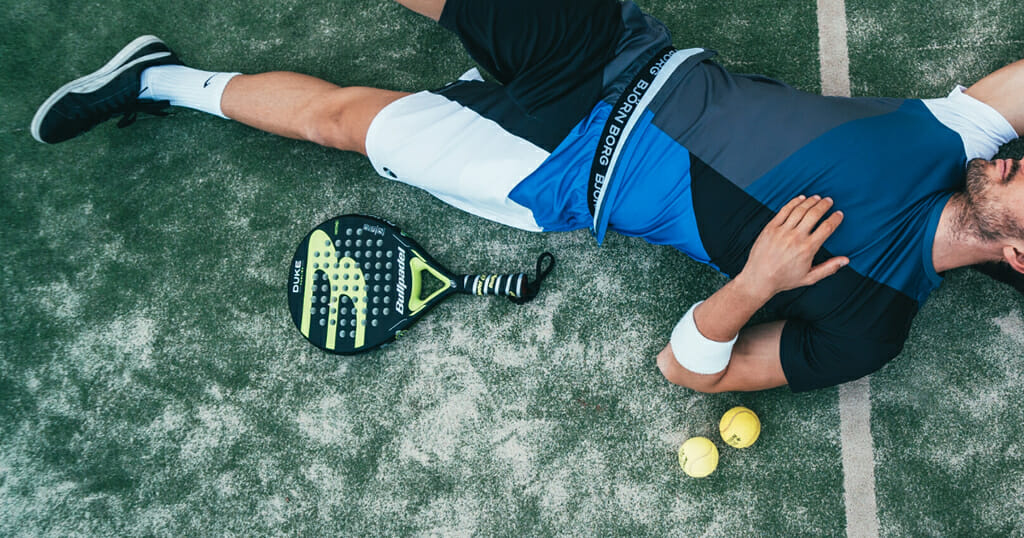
x=484, y=284
x=417, y=265
x=344, y=278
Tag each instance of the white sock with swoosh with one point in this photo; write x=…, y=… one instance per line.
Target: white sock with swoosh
x=185, y=86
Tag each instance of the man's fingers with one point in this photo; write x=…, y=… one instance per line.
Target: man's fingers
x=814, y=214
x=826, y=228
x=796, y=216
x=825, y=269
x=785, y=211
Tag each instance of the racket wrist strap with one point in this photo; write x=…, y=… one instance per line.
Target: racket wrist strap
x=519, y=288
x=545, y=263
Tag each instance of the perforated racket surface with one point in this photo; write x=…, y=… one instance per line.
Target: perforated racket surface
x=357, y=282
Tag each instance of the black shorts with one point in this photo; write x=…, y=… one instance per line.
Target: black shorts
x=553, y=59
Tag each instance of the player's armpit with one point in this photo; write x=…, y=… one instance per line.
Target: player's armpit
x=755, y=363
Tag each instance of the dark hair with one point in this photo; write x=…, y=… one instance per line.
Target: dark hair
x=1002, y=272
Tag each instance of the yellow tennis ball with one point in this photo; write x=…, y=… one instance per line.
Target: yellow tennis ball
x=740, y=427
x=698, y=457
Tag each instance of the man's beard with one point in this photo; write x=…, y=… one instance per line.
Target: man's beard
x=981, y=216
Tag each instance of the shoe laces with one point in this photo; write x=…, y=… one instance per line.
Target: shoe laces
x=131, y=110
x=127, y=107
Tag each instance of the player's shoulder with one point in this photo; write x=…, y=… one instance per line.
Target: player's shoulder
x=982, y=129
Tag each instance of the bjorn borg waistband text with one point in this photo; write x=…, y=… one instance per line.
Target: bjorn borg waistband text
x=615, y=128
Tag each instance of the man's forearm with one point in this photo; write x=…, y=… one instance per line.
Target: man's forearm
x=702, y=342
x=705, y=342
x=722, y=315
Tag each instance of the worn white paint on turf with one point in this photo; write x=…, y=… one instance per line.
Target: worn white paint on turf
x=855, y=397
x=1012, y=326
x=858, y=458
x=832, y=49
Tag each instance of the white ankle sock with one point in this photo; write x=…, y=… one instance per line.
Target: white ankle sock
x=187, y=87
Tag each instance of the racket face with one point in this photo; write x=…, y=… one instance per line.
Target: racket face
x=355, y=281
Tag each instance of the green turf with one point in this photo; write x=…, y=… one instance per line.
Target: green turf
x=945, y=415
x=151, y=382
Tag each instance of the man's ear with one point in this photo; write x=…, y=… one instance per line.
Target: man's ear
x=1014, y=257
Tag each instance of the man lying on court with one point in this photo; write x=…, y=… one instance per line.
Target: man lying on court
x=596, y=122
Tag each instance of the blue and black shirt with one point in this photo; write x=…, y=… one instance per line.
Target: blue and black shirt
x=712, y=158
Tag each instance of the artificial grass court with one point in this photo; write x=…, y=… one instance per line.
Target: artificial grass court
x=152, y=383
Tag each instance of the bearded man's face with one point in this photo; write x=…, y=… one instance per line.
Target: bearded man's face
x=995, y=200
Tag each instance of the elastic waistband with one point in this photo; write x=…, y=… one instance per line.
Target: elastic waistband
x=623, y=117
x=615, y=127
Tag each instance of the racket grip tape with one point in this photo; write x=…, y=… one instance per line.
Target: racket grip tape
x=517, y=287
x=508, y=285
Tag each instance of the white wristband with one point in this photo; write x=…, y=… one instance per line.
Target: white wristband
x=696, y=352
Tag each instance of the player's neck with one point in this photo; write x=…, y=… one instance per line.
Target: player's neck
x=955, y=245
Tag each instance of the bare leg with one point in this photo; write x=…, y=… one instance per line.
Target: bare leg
x=427, y=8
x=306, y=108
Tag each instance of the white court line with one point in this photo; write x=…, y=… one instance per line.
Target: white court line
x=855, y=397
x=858, y=459
x=832, y=50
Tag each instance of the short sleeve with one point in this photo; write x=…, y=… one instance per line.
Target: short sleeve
x=982, y=129
x=813, y=357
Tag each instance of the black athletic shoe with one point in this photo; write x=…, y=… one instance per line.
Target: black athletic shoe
x=113, y=90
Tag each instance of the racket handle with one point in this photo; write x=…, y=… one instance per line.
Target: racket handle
x=517, y=287
x=507, y=285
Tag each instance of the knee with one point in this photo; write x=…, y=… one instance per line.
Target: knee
x=329, y=124
x=341, y=117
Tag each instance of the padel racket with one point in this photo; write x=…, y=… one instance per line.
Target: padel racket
x=357, y=282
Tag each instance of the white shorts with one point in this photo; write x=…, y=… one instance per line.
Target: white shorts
x=429, y=141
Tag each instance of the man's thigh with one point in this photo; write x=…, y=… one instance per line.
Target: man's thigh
x=541, y=50
x=428, y=8
x=455, y=153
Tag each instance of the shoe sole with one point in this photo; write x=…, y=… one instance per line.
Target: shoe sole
x=97, y=79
